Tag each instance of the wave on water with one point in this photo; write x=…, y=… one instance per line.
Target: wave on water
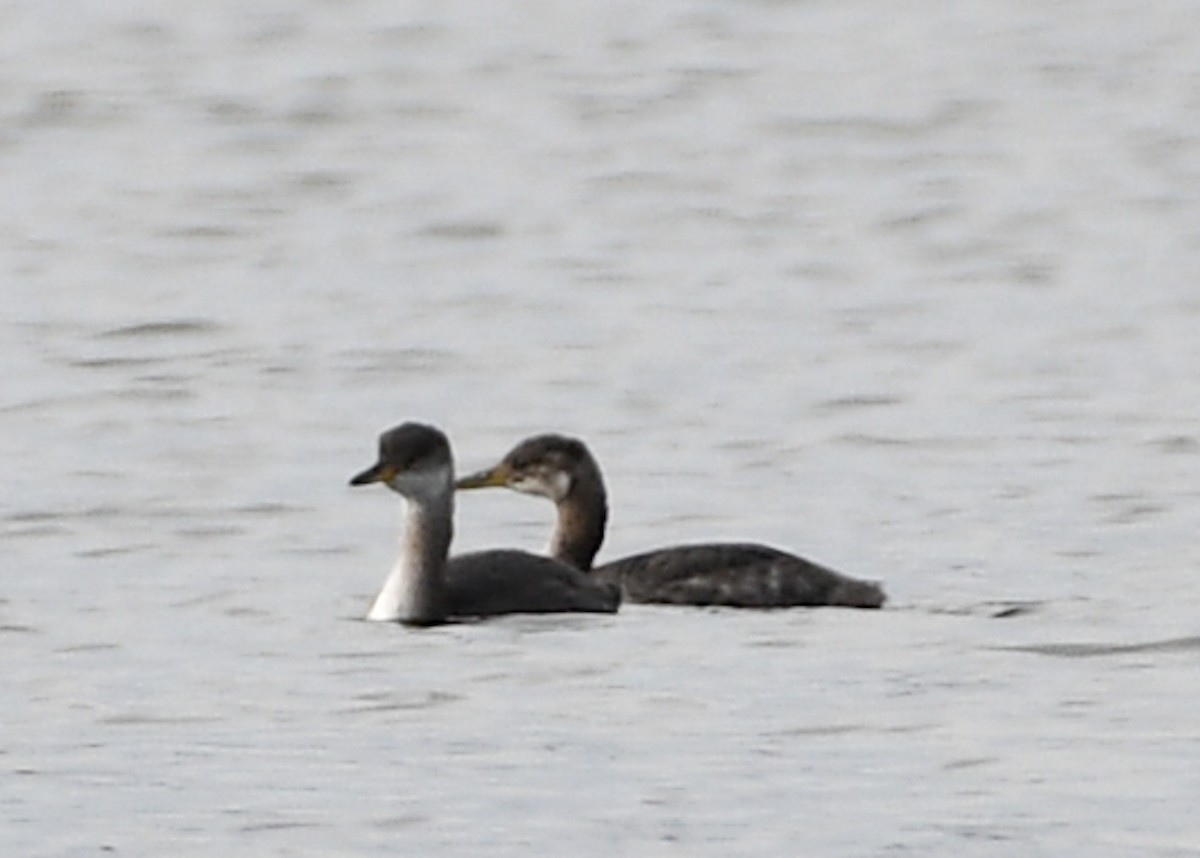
x=1190, y=643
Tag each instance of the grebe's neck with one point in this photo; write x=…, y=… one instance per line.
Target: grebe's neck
x=415, y=591
x=582, y=515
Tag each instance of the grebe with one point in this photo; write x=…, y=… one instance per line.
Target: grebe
x=740, y=575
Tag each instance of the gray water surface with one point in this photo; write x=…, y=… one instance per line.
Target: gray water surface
x=907, y=288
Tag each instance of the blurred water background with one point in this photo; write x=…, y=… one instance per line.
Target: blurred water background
x=908, y=287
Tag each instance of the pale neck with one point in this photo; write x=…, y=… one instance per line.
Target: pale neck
x=582, y=515
x=415, y=591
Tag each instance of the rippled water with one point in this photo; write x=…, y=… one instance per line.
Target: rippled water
x=908, y=288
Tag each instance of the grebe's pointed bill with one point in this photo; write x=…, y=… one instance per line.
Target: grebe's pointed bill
x=490, y=478
x=377, y=473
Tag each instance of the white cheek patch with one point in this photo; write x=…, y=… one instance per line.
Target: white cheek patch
x=556, y=486
x=422, y=483
x=527, y=486
x=559, y=485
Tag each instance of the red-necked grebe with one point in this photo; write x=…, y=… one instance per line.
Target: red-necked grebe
x=739, y=575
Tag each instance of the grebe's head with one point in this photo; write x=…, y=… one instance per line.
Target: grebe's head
x=546, y=465
x=414, y=460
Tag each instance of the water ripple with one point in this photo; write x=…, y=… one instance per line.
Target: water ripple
x=168, y=328
x=1089, y=650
